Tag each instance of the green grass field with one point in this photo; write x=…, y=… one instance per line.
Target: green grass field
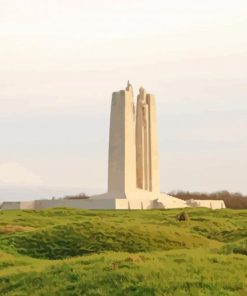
x=76, y=252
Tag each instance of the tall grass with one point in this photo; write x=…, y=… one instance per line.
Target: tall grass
x=76, y=252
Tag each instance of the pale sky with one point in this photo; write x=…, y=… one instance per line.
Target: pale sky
x=60, y=61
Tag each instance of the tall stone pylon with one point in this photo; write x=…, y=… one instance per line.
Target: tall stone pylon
x=147, y=159
x=133, y=164
x=122, y=152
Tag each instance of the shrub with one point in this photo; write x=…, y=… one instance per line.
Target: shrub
x=183, y=217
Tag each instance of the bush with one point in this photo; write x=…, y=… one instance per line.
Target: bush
x=183, y=217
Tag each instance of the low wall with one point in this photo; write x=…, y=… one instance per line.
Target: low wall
x=27, y=205
x=109, y=204
x=211, y=204
x=10, y=206
x=76, y=203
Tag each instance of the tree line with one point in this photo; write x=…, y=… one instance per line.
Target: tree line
x=232, y=200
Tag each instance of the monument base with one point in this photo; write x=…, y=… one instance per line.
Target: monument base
x=136, y=200
x=116, y=201
x=141, y=199
x=102, y=202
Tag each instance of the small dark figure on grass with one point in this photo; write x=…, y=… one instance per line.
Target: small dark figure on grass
x=182, y=217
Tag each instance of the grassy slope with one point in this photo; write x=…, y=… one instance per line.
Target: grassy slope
x=123, y=252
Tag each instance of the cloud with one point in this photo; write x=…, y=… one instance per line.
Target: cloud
x=14, y=174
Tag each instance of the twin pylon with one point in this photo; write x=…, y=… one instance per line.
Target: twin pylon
x=133, y=148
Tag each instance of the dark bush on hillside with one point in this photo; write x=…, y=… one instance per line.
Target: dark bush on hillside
x=232, y=200
x=183, y=217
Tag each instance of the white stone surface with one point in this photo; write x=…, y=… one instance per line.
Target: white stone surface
x=10, y=205
x=212, y=204
x=147, y=160
x=122, y=154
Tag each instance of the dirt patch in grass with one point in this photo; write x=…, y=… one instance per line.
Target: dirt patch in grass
x=14, y=228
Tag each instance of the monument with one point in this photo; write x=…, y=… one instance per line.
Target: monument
x=133, y=163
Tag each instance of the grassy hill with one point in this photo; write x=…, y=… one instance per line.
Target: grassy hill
x=76, y=252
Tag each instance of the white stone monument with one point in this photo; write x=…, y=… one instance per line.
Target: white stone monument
x=133, y=166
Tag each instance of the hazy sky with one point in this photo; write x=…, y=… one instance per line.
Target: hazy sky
x=60, y=61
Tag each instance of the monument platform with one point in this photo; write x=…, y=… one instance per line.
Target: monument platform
x=141, y=199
